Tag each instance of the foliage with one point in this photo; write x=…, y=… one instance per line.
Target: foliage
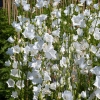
x=6, y=30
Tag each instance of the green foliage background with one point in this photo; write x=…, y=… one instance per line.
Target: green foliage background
x=6, y=31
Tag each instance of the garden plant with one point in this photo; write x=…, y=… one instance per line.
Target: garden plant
x=55, y=54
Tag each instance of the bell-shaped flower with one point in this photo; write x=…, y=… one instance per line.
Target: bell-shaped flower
x=56, y=32
x=48, y=38
x=97, y=34
x=67, y=95
x=15, y=73
x=78, y=20
x=10, y=39
x=17, y=26
x=10, y=83
x=9, y=51
x=63, y=62
x=15, y=64
x=96, y=70
x=26, y=7
x=56, y=13
x=35, y=76
x=51, y=54
x=67, y=10
x=29, y=33
x=83, y=94
x=20, y=84
x=14, y=94
x=98, y=53
x=53, y=86
x=97, y=82
x=7, y=63
x=97, y=93
x=79, y=32
x=16, y=49
x=27, y=49
x=47, y=76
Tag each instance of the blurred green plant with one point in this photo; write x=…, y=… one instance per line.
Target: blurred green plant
x=6, y=31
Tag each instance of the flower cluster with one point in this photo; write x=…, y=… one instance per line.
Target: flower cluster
x=57, y=53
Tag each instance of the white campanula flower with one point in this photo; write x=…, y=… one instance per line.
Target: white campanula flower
x=20, y=84
x=97, y=82
x=46, y=47
x=55, y=67
x=35, y=64
x=17, y=26
x=10, y=83
x=96, y=70
x=80, y=31
x=15, y=64
x=47, y=76
x=77, y=9
x=97, y=93
x=96, y=6
x=27, y=49
x=48, y=38
x=14, y=94
x=86, y=12
x=53, y=86
x=26, y=7
x=9, y=51
x=75, y=37
x=56, y=2
x=17, y=2
x=83, y=94
x=56, y=32
x=15, y=73
x=81, y=63
x=7, y=63
x=67, y=10
x=67, y=95
x=63, y=62
x=37, y=89
x=97, y=34
x=46, y=90
x=56, y=23
x=16, y=49
x=29, y=33
x=98, y=53
x=78, y=20
x=10, y=39
x=42, y=3
x=51, y=54
x=35, y=76
x=56, y=13
x=93, y=49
